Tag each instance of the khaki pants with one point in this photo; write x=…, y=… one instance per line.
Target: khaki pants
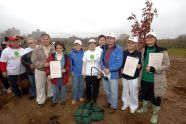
x=41, y=81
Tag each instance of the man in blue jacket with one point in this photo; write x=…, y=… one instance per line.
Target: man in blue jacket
x=76, y=56
x=111, y=62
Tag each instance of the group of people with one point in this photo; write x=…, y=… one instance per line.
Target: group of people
x=105, y=63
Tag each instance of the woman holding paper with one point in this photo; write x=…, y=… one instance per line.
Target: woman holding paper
x=153, y=82
x=58, y=82
x=130, y=69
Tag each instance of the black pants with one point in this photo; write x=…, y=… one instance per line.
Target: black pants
x=92, y=88
x=4, y=81
x=147, y=93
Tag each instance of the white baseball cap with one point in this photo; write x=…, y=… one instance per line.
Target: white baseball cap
x=151, y=33
x=111, y=34
x=92, y=40
x=78, y=42
x=134, y=39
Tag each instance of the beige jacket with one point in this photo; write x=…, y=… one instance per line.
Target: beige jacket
x=38, y=57
x=160, y=82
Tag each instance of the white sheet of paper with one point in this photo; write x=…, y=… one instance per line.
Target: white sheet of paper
x=155, y=59
x=130, y=66
x=55, y=69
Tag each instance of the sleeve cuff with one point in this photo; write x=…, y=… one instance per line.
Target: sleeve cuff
x=152, y=69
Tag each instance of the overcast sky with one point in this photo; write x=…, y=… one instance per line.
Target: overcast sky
x=89, y=17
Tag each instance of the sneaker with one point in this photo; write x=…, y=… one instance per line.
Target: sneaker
x=40, y=105
x=73, y=102
x=81, y=99
x=123, y=107
x=132, y=111
x=8, y=91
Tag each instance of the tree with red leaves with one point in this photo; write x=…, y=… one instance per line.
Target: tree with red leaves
x=142, y=27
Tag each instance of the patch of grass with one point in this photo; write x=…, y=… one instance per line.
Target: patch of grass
x=180, y=52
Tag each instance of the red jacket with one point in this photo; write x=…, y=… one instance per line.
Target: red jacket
x=65, y=74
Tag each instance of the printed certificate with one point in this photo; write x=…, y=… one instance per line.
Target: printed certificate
x=55, y=69
x=155, y=59
x=130, y=66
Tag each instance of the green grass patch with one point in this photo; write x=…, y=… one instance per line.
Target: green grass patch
x=180, y=52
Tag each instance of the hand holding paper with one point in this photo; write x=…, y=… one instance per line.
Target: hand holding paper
x=138, y=66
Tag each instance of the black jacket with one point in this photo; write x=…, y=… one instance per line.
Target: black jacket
x=134, y=54
x=26, y=61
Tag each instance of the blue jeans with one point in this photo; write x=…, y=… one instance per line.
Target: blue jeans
x=111, y=90
x=56, y=91
x=77, y=87
x=13, y=81
x=31, y=78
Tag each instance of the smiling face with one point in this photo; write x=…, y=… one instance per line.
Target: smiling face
x=45, y=40
x=110, y=41
x=150, y=40
x=59, y=49
x=92, y=45
x=131, y=45
x=31, y=43
x=102, y=41
x=78, y=46
x=14, y=43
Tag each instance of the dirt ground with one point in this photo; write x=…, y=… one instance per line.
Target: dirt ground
x=173, y=110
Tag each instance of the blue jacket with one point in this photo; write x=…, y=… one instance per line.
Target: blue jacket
x=76, y=62
x=115, y=61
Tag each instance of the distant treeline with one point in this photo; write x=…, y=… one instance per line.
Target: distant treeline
x=179, y=42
